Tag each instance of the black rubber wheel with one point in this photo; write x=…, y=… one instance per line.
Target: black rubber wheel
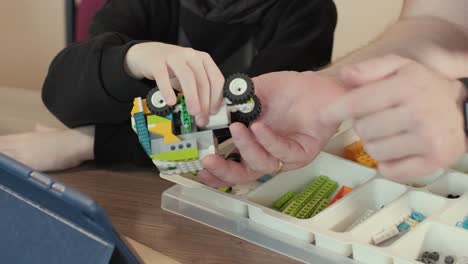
x=156, y=103
x=248, y=117
x=238, y=88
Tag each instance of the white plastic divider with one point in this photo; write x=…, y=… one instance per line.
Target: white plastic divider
x=457, y=212
x=340, y=140
x=223, y=201
x=462, y=164
x=175, y=201
x=344, y=172
x=334, y=223
x=419, y=201
x=432, y=237
x=451, y=183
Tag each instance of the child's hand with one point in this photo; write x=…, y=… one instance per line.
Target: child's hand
x=48, y=149
x=199, y=77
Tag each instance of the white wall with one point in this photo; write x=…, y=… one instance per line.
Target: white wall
x=360, y=21
x=32, y=33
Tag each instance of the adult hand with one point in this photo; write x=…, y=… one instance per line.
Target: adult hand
x=192, y=72
x=288, y=129
x=408, y=116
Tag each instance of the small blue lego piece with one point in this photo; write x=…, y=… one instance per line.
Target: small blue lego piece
x=417, y=216
x=264, y=178
x=465, y=224
x=403, y=226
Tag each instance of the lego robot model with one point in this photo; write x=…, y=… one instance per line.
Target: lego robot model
x=169, y=136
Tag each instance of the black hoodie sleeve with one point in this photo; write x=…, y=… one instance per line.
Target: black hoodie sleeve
x=87, y=83
x=300, y=37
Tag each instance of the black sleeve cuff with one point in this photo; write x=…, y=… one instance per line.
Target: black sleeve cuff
x=116, y=81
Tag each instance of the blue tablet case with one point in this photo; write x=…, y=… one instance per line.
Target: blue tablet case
x=44, y=221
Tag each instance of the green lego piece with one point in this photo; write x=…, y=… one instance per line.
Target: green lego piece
x=283, y=200
x=225, y=189
x=321, y=206
x=314, y=203
x=154, y=119
x=177, y=155
x=294, y=207
x=289, y=202
x=307, y=210
x=185, y=117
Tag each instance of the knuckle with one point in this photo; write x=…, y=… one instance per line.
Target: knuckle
x=205, y=55
x=189, y=52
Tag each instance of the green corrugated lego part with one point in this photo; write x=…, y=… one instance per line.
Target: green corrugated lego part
x=325, y=190
x=307, y=210
x=321, y=206
x=333, y=187
x=186, y=118
x=289, y=202
x=313, y=181
x=154, y=119
x=283, y=200
x=294, y=207
x=177, y=155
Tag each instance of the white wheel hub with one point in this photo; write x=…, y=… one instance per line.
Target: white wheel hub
x=238, y=86
x=157, y=100
x=247, y=108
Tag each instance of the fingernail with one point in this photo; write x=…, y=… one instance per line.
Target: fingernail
x=202, y=121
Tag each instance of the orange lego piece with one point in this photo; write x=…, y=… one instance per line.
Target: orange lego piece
x=351, y=151
x=366, y=160
x=356, y=153
x=340, y=194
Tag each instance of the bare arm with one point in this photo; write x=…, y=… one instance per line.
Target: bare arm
x=432, y=32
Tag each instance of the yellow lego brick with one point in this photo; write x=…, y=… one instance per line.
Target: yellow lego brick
x=138, y=108
x=163, y=127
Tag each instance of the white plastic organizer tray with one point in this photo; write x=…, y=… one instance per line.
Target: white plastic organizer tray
x=329, y=237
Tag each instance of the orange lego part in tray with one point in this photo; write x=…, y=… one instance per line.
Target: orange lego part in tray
x=340, y=194
x=366, y=160
x=356, y=152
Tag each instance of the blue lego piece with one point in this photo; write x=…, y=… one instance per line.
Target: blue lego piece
x=417, y=216
x=264, y=178
x=403, y=226
x=142, y=131
x=465, y=224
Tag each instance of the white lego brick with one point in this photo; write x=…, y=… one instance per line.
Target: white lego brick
x=222, y=119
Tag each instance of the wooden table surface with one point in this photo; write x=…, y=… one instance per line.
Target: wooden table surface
x=132, y=198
